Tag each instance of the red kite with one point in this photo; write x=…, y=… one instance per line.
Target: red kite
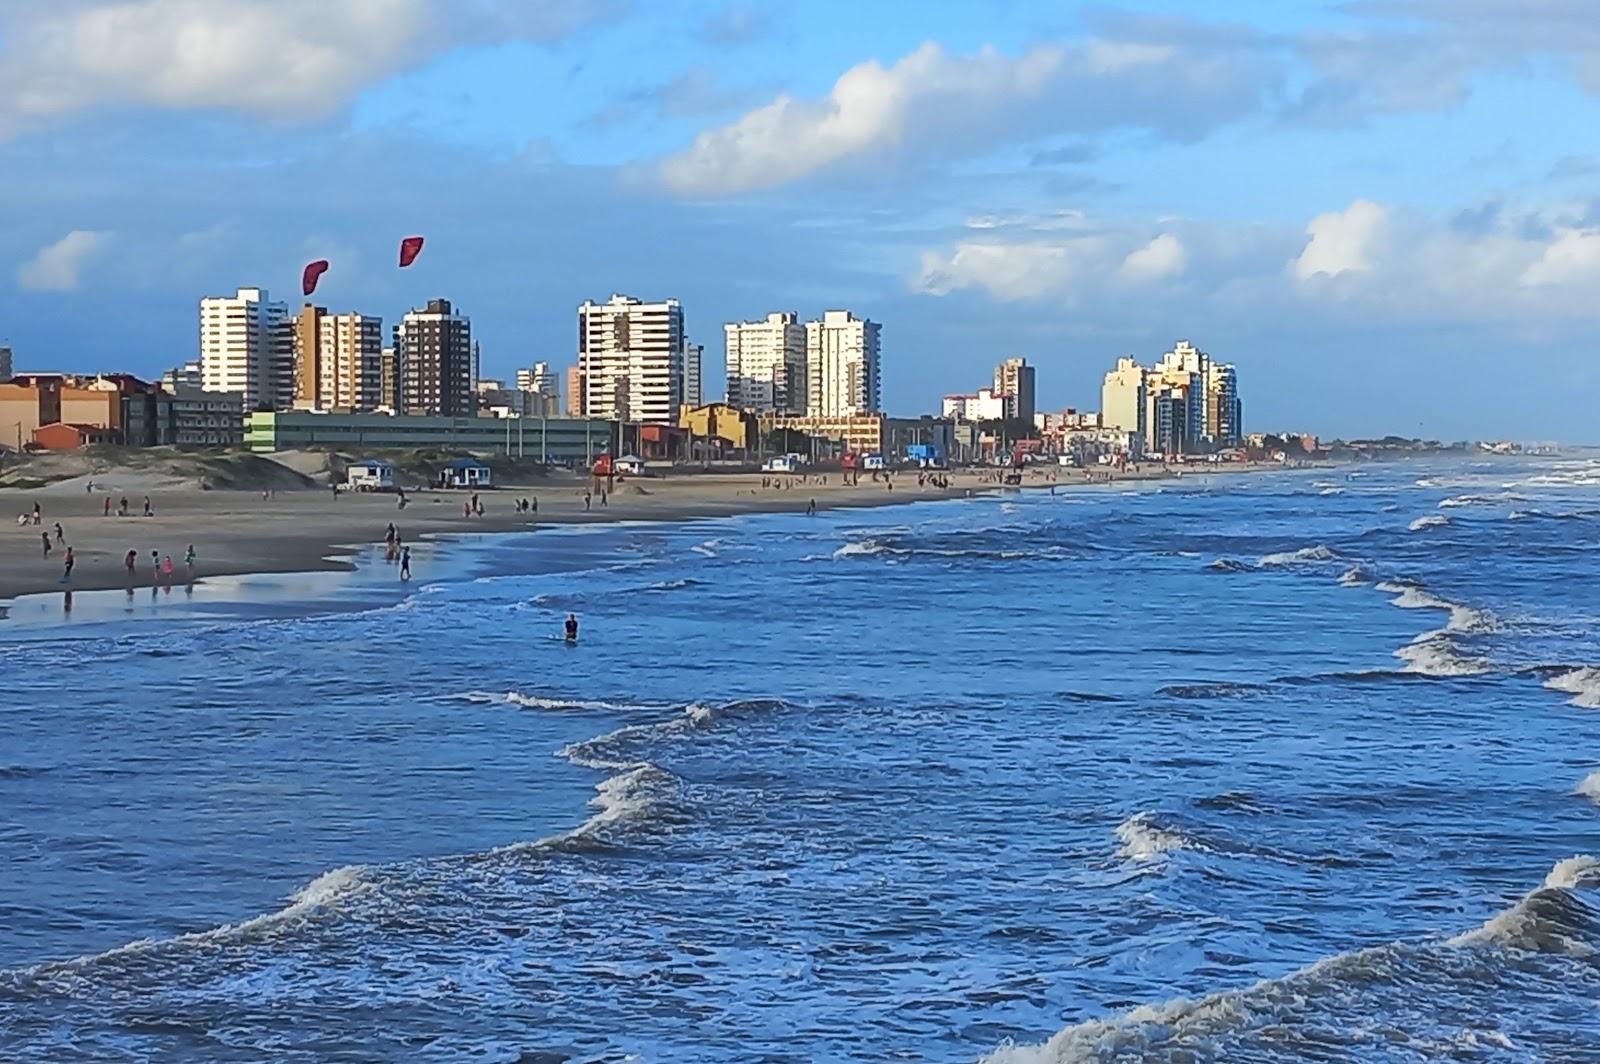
x=410, y=248
x=313, y=271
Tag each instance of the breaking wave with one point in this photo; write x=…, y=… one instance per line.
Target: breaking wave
x=1320, y=553
x=1321, y=1011
x=1355, y=576
x=1438, y=653
x=1460, y=501
x=1410, y=596
x=1229, y=565
x=1583, y=684
x=1145, y=838
x=1589, y=787
x=635, y=793
x=1430, y=521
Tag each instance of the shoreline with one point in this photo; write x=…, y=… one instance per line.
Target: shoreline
x=241, y=534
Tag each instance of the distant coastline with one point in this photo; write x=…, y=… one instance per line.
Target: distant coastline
x=239, y=532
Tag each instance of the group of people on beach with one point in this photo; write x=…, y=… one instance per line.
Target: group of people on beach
x=395, y=550
x=162, y=569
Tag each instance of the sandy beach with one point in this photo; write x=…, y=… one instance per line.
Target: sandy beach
x=238, y=532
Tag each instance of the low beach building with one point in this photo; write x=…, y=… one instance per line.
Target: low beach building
x=65, y=436
x=465, y=473
x=557, y=439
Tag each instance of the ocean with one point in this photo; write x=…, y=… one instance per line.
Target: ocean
x=1299, y=766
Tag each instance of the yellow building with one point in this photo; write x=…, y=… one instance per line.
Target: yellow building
x=730, y=423
x=860, y=433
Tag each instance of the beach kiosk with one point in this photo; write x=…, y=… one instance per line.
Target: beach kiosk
x=630, y=465
x=465, y=473
x=369, y=474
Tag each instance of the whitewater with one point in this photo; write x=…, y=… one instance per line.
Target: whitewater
x=1245, y=768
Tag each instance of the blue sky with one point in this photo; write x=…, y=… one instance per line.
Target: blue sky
x=1386, y=212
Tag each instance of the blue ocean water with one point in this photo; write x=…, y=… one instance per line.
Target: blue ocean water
x=1251, y=768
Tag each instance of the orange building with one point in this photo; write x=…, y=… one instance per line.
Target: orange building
x=25, y=404
x=62, y=436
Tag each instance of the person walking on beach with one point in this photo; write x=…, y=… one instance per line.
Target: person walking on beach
x=405, y=563
x=149, y=511
x=603, y=498
x=131, y=562
x=36, y=514
x=188, y=560
x=107, y=511
x=61, y=537
x=466, y=509
x=122, y=508
x=155, y=568
x=66, y=572
x=586, y=499
x=45, y=536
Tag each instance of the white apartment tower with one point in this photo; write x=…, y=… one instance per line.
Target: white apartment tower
x=1122, y=399
x=633, y=360
x=247, y=346
x=338, y=361
x=842, y=366
x=1015, y=378
x=767, y=364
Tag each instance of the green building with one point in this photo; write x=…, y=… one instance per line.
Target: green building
x=559, y=439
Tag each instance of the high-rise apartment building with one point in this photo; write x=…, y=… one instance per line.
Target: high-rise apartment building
x=1014, y=378
x=388, y=381
x=541, y=389
x=574, y=406
x=634, y=361
x=1122, y=398
x=5, y=363
x=247, y=346
x=435, y=361
x=1224, y=410
x=692, y=354
x=1183, y=371
x=842, y=366
x=338, y=361
x=766, y=363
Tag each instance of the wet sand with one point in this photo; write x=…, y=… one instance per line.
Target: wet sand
x=239, y=532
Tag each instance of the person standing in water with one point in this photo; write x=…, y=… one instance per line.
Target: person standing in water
x=405, y=563
x=188, y=560
x=155, y=568
x=572, y=627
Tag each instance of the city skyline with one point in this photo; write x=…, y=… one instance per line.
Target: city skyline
x=1017, y=196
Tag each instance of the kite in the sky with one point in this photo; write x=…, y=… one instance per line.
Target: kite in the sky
x=313, y=272
x=410, y=248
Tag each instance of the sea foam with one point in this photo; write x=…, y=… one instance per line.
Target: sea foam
x=1583, y=684
x=1551, y=919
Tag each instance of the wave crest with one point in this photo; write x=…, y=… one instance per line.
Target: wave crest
x=1582, y=683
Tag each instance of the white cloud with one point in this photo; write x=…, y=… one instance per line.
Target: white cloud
x=1572, y=258
x=933, y=102
x=1342, y=241
x=290, y=60
x=1163, y=257
x=55, y=268
x=1008, y=271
